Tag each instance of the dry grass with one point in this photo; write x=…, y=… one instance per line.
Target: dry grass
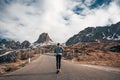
x=20, y=60
x=110, y=59
x=93, y=53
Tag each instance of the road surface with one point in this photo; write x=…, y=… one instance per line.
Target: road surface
x=44, y=68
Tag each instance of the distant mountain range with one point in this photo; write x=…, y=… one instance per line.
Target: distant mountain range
x=91, y=34
x=6, y=44
x=43, y=39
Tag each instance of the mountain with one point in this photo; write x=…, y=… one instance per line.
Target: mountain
x=6, y=44
x=25, y=44
x=44, y=38
x=91, y=34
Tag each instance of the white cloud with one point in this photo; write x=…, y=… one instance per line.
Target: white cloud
x=89, y=2
x=21, y=22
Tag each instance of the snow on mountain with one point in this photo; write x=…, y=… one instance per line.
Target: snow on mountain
x=92, y=34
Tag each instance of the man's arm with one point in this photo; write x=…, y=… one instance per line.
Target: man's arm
x=62, y=49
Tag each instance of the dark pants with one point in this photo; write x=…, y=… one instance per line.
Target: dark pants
x=58, y=61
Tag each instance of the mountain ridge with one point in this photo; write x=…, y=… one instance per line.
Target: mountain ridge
x=91, y=34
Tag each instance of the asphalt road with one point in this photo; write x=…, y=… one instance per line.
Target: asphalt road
x=44, y=68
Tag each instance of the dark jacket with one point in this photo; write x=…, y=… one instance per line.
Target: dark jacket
x=59, y=50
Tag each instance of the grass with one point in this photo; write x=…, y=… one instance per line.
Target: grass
x=9, y=67
x=93, y=53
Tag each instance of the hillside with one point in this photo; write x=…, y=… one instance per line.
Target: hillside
x=105, y=53
x=91, y=34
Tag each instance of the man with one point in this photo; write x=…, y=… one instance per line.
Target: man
x=59, y=51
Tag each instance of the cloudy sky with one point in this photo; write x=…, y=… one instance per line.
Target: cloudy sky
x=27, y=19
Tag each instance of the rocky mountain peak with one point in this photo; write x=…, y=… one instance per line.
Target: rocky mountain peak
x=44, y=38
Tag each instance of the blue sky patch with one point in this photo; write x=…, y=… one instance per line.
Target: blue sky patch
x=78, y=10
x=100, y=3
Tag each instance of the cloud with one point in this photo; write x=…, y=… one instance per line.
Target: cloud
x=27, y=19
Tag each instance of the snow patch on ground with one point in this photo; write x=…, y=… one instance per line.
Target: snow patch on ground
x=112, y=37
x=90, y=34
x=109, y=38
x=108, y=30
x=103, y=35
x=6, y=53
x=117, y=38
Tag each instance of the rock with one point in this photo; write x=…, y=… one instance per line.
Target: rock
x=115, y=48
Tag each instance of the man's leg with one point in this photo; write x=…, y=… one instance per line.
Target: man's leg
x=60, y=62
x=57, y=62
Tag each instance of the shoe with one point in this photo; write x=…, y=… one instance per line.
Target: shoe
x=57, y=71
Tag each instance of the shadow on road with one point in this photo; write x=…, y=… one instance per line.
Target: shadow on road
x=30, y=74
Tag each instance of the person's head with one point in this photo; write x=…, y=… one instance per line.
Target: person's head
x=58, y=44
